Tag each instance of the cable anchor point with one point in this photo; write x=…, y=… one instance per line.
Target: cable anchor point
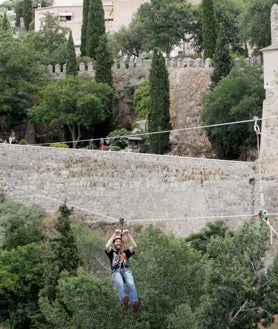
x=256, y=126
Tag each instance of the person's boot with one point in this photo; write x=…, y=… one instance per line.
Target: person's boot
x=135, y=306
x=125, y=303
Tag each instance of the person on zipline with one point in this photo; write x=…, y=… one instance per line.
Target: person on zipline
x=121, y=273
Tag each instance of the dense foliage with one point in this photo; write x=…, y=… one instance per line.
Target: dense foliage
x=238, y=96
x=75, y=101
x=64, y=282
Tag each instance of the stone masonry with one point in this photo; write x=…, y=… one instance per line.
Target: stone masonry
x=181, y=194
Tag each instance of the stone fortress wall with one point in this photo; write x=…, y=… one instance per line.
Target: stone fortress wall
x=181, y=194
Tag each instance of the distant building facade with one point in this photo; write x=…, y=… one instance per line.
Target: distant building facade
x=118, y=13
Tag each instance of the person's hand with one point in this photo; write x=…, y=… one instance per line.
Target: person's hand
x=117, y=231
x=126, y=231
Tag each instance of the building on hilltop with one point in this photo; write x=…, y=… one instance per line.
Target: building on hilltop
x=117, y=13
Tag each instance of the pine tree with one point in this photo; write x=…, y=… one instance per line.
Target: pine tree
x=209, y=28
x=221, y=59
x=27, y=12
x=63, y=254
x=86, y=5
x=95, y=27
x=104, y=62
x=71, y=62
x=159, y=116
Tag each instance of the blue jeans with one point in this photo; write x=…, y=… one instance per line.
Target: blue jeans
x=119, y=278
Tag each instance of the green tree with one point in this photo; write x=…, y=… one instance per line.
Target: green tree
x=50, y=41
x=238, y=96
x=127, y=40
x=270, y=283
x=209, y=28
x=18, y=12
x=164, y=23
x=27, y=13
x=234, y=296
x=62, y=256
x=164, y=281
x=19, y=79
x=76, y=102
x=21, y=225
x=181, y=318
x=221, y=58
x=5, y=24
x=71, y=62
x=159, y=116
x=86, y=300
x=104, y=62
x=142, y=101
x=95, y=28
x=228, y=13
x=199, y=241
x=84, y=27
x=21, y=278
x=255, y=24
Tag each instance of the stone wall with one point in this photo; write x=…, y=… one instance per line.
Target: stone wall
x=180, y=194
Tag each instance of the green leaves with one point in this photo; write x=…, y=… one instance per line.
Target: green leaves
x=236, y=97
x=73, y=101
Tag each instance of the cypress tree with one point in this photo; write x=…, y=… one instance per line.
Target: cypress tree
x=63, y=254
x=104, y=62
x=221, y=59
x=71, y=62
x=159, y=116
x=95, y=27
x=86, y=5
x=27, y=12
x=209, y=28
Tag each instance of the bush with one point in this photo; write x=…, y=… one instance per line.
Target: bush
x=60, y=145
x=23, y=142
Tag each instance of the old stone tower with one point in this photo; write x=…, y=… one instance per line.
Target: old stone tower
x=269, y=139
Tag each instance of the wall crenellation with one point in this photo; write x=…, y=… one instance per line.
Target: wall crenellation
x=145, y=65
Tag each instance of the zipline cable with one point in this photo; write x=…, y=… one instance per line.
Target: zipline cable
x=114, y=220
x=106, y=139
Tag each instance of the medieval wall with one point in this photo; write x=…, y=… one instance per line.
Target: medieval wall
x=180, y=194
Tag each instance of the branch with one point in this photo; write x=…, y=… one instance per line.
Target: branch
x=240, y=310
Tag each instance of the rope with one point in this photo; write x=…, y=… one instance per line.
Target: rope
x=269, y=137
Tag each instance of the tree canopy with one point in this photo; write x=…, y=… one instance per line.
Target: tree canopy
x=238, y=96
x=19, y=77
x=75, y=102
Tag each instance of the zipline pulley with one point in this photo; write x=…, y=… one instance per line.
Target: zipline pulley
x=262, y=214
